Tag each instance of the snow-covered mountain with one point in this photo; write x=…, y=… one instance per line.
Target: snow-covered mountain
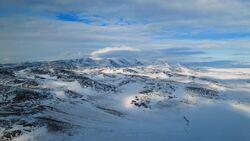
x=121, y=99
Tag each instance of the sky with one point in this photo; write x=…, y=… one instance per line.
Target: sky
x=190, y=31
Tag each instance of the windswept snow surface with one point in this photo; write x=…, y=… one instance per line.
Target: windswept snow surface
x=74, y=100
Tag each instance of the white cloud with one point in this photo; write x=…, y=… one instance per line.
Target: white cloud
x=152, y=24
x=108, y=50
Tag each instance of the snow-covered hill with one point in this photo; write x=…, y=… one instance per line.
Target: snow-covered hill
x=120, y=99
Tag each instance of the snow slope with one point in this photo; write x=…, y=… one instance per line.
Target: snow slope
x=122, y=100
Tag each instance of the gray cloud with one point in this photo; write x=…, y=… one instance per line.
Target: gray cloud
x=183, y=12
x=156, y=16
x=144, y=24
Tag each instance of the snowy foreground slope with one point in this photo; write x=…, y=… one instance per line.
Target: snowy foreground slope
x=121, y=100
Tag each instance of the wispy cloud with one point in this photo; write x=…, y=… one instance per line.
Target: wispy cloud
x=108, y=50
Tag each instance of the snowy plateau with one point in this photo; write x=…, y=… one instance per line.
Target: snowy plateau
x=122, y=100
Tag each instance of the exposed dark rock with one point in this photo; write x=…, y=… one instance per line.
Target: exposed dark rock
x=187, y=120
x=126, y=81
x=147, y=91
x=87, y=82
x=30, y=84
x=130, y=70
x=111, y=111
x=73, y=94
x=39, y=71
x=55, y=125
x=141, y=101
x=158, y=87
x=22, y=95
x=202, y=91
x=9, y=135
x=6, y=73
x=4, y=90
x=7, y=123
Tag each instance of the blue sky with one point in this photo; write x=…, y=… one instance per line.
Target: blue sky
x=49, y=30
